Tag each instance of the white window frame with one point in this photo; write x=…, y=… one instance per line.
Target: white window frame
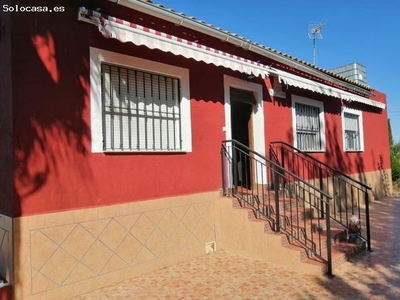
x=357, y=113
x=320, y=106
x=97, y=56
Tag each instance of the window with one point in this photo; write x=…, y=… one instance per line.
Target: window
x=352, y=130
x=138, y=105
x=308, y=124
x=140, y=110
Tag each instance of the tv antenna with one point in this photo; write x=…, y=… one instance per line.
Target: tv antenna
x=314, y=33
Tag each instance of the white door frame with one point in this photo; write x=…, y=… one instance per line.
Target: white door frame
x=257, y=114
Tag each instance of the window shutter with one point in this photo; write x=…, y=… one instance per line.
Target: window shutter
x=351, y=122
x=352, y=130
x=140, y=110
x=307, y=127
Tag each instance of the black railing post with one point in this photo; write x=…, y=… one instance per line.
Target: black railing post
x=367, y=220
x=283, y=164
x=328, y=237
x=235, y=169
x=276, y=190
x=321, y=183
x=334, y=189
x=334, y=196
x=279, y=177
x=224, y=193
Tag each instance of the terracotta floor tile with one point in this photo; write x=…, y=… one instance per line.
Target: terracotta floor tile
x=221, y=275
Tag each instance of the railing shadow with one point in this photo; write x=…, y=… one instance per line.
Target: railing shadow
x=277, y=195
x=349, y=196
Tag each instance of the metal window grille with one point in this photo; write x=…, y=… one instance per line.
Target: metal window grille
x=308, y=132
x=141, y=110
x=352, y=132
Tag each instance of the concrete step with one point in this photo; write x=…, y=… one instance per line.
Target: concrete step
x=311, y=231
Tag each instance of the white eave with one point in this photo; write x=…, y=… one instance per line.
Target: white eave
x=129, y=32
x=317, y=87
x=190, y=22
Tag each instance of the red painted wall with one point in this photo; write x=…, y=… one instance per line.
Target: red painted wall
x=278, y=120
x=6, y=293
x=54, y=169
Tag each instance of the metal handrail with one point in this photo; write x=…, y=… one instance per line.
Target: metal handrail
x=322, y=163
x=278, y=166
x=340, y=177
x=284, y=197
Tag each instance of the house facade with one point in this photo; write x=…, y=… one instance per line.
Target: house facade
x=112, y=117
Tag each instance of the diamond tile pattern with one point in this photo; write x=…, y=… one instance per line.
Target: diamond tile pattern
x=70, y=253
x=223, y=275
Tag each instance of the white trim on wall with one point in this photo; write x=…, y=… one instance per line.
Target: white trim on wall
x=360, y=128
x=315, y=103
x=97, y=56
x=258, y=114
x=257, y=117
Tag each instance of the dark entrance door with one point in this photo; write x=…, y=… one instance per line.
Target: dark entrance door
x=241, y=124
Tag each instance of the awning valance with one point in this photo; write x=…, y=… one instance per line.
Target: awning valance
x=304, y=83
x=125, y=31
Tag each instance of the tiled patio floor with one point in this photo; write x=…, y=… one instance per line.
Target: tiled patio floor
x=221, y=275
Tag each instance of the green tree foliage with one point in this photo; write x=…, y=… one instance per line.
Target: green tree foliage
x=394, y=156
x=395, y=161
x=390, y=134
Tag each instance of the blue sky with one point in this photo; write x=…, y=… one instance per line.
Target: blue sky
x=366, y=32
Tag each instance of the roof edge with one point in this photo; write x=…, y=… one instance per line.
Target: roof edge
x=181, y=20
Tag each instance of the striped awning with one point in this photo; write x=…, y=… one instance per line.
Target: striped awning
x=125, y=31
x=317, y=87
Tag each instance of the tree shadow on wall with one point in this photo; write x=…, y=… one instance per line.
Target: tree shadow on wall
x=354, y=162
x=370, y=275
x=345, y=162
x=334, y=155
x=51, y=99
x=355, y=280
x=384, y=186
